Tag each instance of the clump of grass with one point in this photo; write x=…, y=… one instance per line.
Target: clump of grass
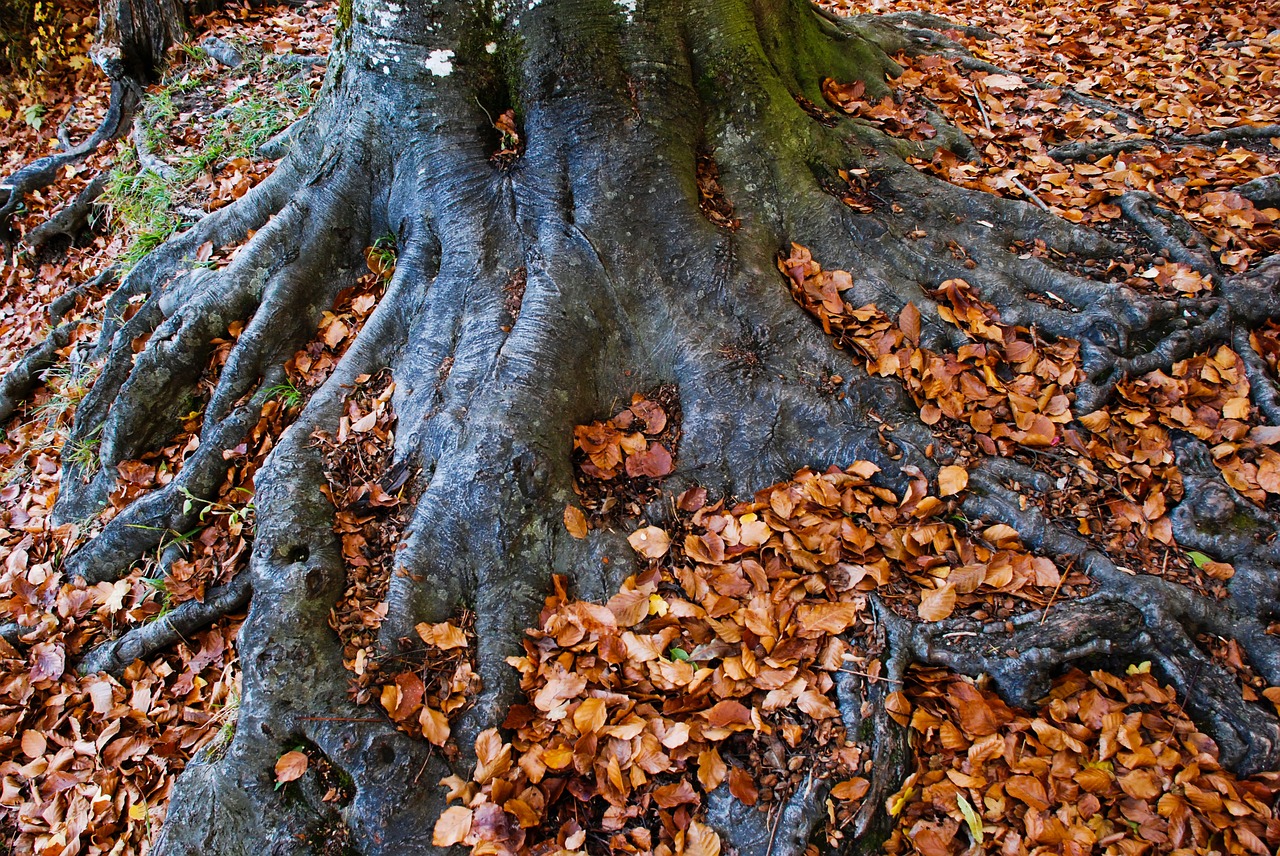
x=382, y=256
x=83, y=453
x=141, y=203
x=287, y=393
x=68, y=387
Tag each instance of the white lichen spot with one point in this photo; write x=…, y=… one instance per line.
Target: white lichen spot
x=491, y=48
x=628, y=8
x=440, y=63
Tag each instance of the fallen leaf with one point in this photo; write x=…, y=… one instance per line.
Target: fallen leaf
x=291, y=766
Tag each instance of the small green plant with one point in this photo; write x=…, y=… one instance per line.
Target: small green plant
x=382, y=256
x=161, y=586
x=83, y=453
x=237, y=515
x=33, y=115
x=286, y=393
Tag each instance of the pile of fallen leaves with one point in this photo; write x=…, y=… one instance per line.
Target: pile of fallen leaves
x=365, y=491
x=1215, y=70
x=1008, y=392
x=619, y=461
x=717, y=663
x=422, y=683
x=1109, y=764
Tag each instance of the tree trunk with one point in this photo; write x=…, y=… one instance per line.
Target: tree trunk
x=133, y=36
x=628, y=286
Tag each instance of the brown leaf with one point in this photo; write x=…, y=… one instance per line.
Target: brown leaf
x=1028, y=789
x=909, y=322
x=711, y=769
x=33, y=744
x=629, y=607
x=742, y=786
x=48, y=662
x=453, y=826
x=575, y=521
x=654, y=462
x=828, y=618
x=290, y=766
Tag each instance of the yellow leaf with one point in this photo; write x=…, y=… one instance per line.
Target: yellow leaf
x=971, y=818
x=137, y=811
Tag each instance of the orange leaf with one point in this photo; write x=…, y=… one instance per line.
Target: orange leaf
x=938, y=603
x=453, y=826
x=701, y=840
x=575, y=521
x=435, y=725
x=291, y=766
x=952, y=480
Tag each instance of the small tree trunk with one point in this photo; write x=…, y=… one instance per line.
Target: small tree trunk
x=133, y=36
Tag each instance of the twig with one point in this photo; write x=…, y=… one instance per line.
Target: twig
x=982, y=110
x=1027, y=191
x=773, y=829
x=1062, y=578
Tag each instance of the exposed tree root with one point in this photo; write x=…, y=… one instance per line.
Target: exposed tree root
x=72, y=220
x=125, y=97
x=1086, y=150
x=628, y=286
x=160, y=633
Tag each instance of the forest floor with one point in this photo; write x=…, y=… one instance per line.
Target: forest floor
x=1110, y=763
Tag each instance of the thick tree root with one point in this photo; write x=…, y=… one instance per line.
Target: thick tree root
x=1088, y=150
x=72, y=220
